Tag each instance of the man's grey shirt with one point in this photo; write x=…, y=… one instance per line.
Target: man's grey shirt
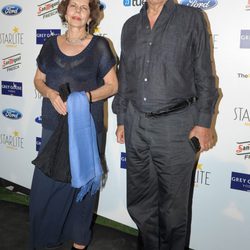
x=163, y=66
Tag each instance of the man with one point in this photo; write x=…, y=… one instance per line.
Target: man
x=166, y=96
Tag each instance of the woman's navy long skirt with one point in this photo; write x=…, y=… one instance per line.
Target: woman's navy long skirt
x=55, y=216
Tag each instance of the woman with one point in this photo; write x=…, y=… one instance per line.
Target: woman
x=85, y=62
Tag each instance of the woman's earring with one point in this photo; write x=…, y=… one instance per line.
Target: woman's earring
x=88, y=27
x=66, y=22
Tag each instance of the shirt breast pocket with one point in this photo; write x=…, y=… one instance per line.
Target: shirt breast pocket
x=176, y=49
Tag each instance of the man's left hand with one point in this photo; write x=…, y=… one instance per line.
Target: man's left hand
x=205, y=136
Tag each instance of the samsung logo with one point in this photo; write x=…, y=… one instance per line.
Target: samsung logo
x=11, y=10
x=38, y=119
x=102, y=5
x=201, y=4
x=123, y=160
x=12, y=114
x=38, y=143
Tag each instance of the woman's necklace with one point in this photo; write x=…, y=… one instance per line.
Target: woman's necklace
x=77, y=41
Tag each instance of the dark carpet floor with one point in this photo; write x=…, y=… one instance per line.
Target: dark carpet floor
x=14, y=234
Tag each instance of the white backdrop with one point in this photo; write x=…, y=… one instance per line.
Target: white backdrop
x=221, y=202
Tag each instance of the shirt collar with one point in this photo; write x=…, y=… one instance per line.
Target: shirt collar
x=167, y=10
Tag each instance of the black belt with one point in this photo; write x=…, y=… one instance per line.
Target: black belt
x=174, y=108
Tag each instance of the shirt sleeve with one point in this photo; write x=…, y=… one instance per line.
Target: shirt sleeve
x=107, y=59
x=120, y=102
x=207, y=93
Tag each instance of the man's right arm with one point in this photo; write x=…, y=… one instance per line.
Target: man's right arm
x=120, y=102
x=120, y=134
x=119, y=105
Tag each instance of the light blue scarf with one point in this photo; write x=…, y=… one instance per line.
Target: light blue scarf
x=85, y=165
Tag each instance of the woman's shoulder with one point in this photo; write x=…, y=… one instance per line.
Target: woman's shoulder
x=100, y=39
x=49, y=42
x=48, y=46
x=102, y=42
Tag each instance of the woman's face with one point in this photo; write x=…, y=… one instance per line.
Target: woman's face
x=78, y=13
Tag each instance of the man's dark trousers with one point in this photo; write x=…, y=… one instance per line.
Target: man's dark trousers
x=160, y=162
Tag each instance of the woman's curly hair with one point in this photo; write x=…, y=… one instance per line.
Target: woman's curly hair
x=95, y=13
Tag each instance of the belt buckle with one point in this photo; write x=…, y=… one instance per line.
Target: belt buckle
x=154, y=115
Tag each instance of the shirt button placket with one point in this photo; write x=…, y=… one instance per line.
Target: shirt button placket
x=146, y=82
x=146, y=67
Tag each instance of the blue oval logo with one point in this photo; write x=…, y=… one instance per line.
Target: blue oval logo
x=38, y=119
x=12, y=114
x=201, y=4
x=102, y=5
x=11, y=10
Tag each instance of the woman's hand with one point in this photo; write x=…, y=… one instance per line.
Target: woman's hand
x=40, y=84
x=57, y=102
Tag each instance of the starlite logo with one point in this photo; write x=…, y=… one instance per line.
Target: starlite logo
x=12, y=141
x=202, y=177
x=245, y=39
x=243, y=148
x=12, y=88
x=201, y=4
x=48, y=8
x=98, y=32
x=12, y=62
x=248, y=5
x=240, y=181
x=129, y=3
x=123, y=160
x=11, y=10
x=43, y=34
x=242, y=115
x=242, y=75
x=37, y=94
x=12, y=39
x=12, y=114
x=38, y=119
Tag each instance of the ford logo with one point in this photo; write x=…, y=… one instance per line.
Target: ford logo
x=11, y=10
x=202, y=4
x=38, y=119
x=12, y=114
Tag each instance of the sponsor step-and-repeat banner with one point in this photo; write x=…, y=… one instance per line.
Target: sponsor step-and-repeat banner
x=221, y=201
